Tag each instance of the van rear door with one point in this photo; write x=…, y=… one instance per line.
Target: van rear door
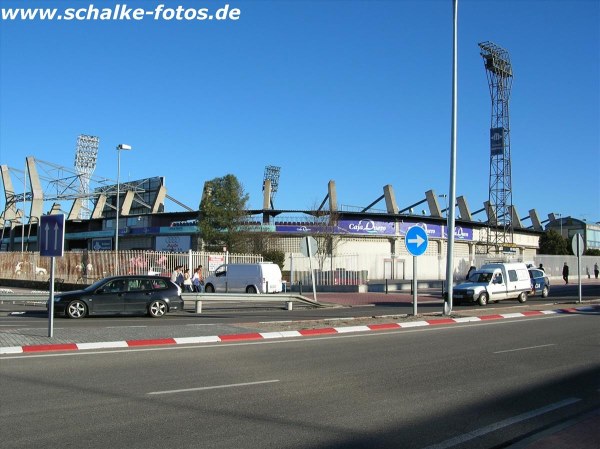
x=497, y=287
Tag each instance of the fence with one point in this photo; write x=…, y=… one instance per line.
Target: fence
x=87, y=266
x=349, y=269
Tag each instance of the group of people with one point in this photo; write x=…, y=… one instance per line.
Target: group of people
x=187, y=281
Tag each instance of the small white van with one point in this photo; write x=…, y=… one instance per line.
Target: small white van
x=494, y=282
x=263, y=277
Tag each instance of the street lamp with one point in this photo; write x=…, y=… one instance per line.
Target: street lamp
x=445, y=203
x=120, y=148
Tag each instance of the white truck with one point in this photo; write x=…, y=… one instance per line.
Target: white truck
x=263, y=277
x=494, y=282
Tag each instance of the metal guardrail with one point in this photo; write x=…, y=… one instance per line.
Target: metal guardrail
x=41, y=297
x=287, y=299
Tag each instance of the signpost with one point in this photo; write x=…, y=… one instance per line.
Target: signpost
x=416, y=241
x=578, y=247
x=309, y=246
x=51, y=244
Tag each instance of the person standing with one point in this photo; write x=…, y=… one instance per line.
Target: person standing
x=187, y=281
x=566, y=273
x=596, y=272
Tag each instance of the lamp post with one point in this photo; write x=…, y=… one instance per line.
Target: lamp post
x=120, y=148
x=445, y=202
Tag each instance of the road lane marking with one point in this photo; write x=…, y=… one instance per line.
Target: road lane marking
x=524, y=349
x=501, y=424
x=214, y=387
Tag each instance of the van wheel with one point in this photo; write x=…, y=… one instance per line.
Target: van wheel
x=208, y=288
x=483, y=299
x=523, y=297
x=545, y=292
x=251, y=289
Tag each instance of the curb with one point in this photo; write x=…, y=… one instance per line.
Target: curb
x=281, y=334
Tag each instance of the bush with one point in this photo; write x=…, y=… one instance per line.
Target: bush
x=275, y=256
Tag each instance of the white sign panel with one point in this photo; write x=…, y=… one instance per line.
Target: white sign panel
x=174, y=243
x=214, y=262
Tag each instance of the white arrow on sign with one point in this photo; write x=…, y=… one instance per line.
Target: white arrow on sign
x=418, y=240
x=46, y=240
x=55, y=235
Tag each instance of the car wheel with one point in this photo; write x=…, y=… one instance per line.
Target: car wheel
x=251, y=289
x=157, y=309
x=545, y=292
x=76, y=309
x=483, y=299
x=209, y=288
x=523, y=297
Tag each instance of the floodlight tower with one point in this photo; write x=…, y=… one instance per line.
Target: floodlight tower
x=499, y=75
x=85, y=164
x=271, y=175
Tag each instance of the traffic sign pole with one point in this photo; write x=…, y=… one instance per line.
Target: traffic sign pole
x=51, y=301
x=416, y=241
x=577, y=246
x=51, y=240
x=415, y=285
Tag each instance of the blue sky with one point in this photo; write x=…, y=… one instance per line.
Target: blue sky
x=354, y=91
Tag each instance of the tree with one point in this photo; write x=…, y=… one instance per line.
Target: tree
x=551, y=242
x=224, y=205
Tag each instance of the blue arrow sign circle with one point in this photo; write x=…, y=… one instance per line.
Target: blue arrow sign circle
x=416, y=240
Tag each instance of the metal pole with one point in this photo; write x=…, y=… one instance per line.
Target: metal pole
x=415, y=285
x=51, y=301
x=579, y=251
x=116, y=270
x=452, y=190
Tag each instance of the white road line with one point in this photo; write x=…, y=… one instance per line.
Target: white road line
x=501, y=424
x=215, y=387
x=524, y=349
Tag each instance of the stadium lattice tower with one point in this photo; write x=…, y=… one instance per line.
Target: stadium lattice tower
x=499, y=75
x=86, y=155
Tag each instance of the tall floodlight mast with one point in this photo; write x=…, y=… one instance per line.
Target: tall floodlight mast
x=499, y=75
x=85, y=164
x=272, y=175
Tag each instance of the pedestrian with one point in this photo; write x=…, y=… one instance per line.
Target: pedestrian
x=596, y=272
x=180, y=276
x=187, y=281
x=174, y=274
x=541, y=267
x=471, y=269
x=566, y=273
x=197, y=280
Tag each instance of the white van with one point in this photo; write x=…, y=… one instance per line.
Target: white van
x=494, y=282
x=263, y=277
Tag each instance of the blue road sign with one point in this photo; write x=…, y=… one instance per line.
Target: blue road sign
x=51, y=236
x=416, y=240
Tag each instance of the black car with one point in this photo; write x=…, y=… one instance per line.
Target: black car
x=152, y=295
x=540, y=283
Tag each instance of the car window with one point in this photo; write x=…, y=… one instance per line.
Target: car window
x=159, y=284
x=135, y=285
x=512, y=275
x=116, y=286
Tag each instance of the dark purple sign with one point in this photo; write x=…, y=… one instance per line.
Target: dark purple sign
x=368, y=227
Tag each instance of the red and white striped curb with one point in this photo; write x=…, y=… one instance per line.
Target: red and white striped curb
x=283, y=334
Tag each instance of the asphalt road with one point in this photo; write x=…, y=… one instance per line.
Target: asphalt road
x=476, y=385
x=362, y=304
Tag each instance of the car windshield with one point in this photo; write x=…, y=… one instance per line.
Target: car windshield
x=479, y=277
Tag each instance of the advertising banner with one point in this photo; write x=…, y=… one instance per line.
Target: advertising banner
x=174, y=243
x=497, y=141
x=366, y=227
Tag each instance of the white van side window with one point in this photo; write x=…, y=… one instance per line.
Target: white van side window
x=512, y=275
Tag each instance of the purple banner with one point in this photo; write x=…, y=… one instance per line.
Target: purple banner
x=432, y=230
x=460, y=233
x=369, y=227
